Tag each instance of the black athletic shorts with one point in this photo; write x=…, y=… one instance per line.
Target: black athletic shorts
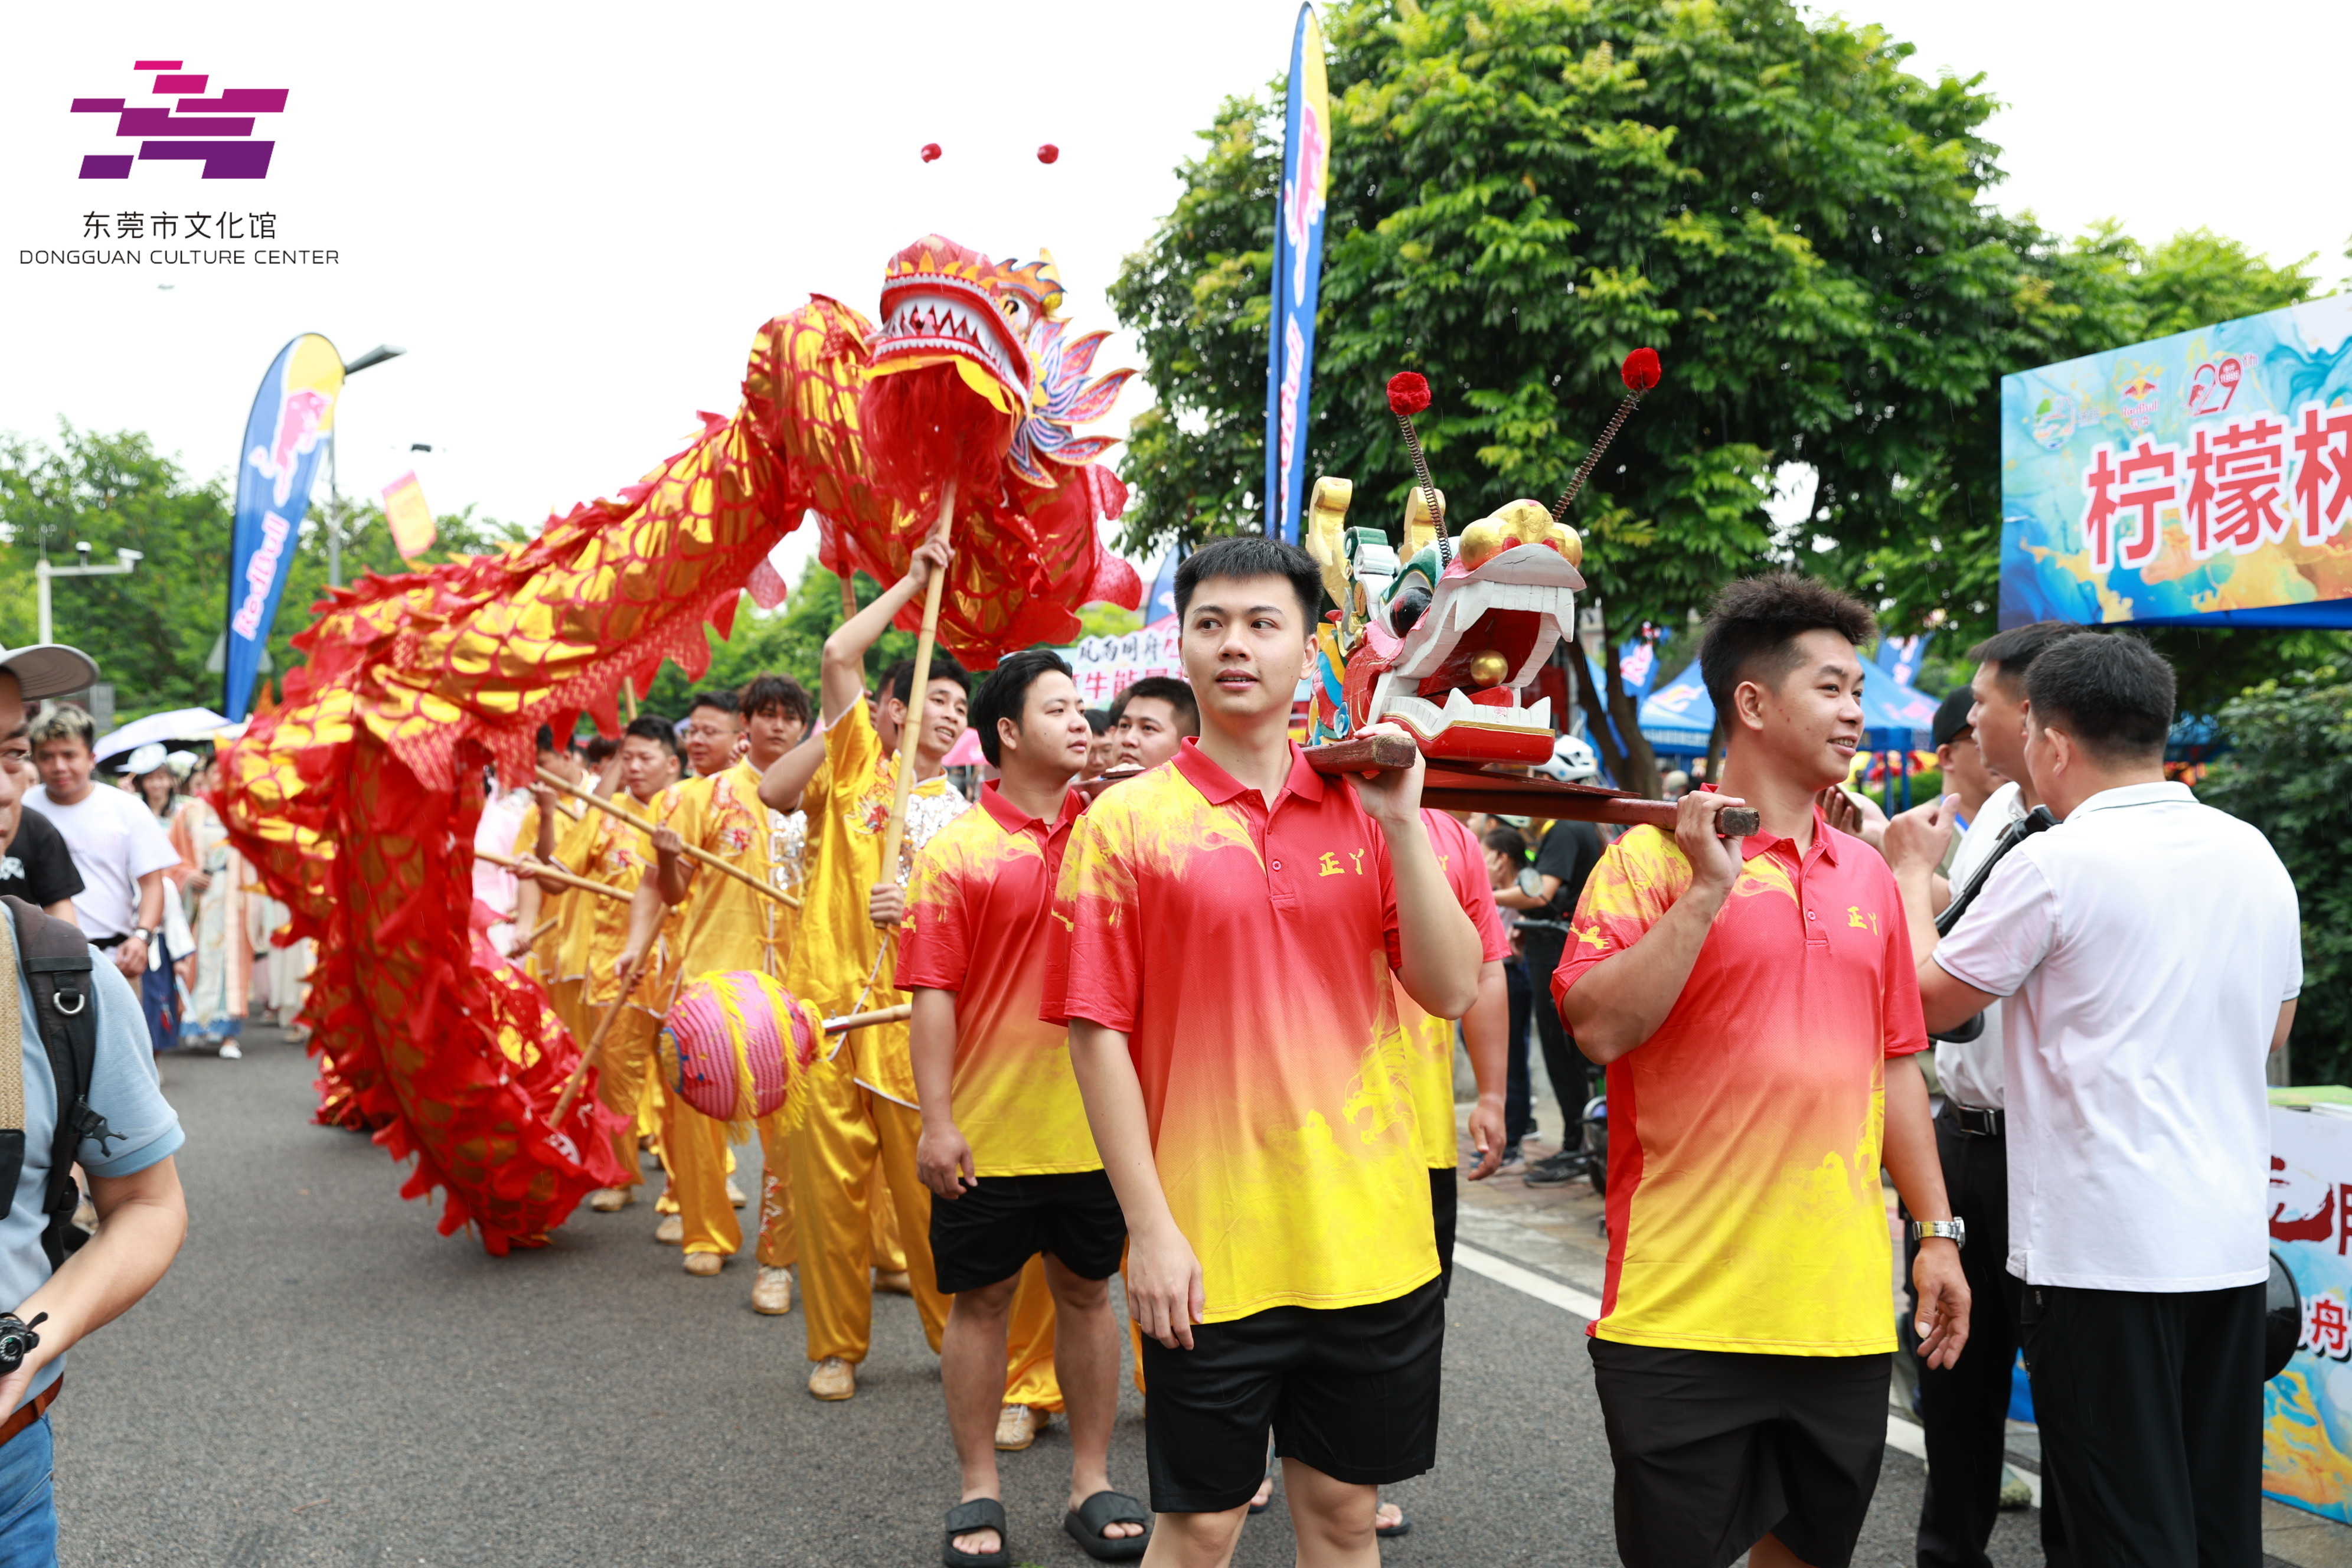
x=1716, y=1448
x=1352, y=1391
x=995, y=1229
x=1444, y=1207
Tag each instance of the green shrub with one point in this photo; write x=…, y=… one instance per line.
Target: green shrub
x=2289, y=773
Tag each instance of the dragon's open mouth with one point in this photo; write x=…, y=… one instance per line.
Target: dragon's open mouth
x=935, y=306
x=1456, y=680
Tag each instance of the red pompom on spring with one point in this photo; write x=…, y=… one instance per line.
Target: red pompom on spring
x=1048, y=153
x=1408, y=393
x=930, y=152
x=1641, y=371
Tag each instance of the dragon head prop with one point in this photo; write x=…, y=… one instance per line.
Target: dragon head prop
x=1444, y=643
x=994, y=374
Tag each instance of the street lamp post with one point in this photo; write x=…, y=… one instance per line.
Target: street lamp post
x=125, y=562
x=375, y=355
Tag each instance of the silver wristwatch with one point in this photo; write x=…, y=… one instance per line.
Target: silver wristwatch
x=1955, y=1231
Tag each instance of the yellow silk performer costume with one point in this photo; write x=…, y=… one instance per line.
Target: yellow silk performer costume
x=723, y=925
x=607, y=851
x=862, y=1109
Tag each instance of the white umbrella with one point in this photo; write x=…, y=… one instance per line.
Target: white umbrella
x=183, y=724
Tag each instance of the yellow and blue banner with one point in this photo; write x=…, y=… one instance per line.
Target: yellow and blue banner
x=2204, y=478
x=1298, y=278
x=290, y=429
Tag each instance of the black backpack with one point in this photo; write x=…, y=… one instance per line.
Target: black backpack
x=55, y=955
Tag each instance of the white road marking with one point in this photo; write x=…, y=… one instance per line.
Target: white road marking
x=1904, y=1435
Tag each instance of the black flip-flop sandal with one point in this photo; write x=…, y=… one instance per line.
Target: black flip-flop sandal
x=1086, y=1523
x=1403, y=1526
x=979, y=1513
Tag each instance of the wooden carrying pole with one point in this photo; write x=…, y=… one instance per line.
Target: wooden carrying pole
x=699, y=856
x=533, y=869
x=1449, y=787
x=843, y=1025
x=912, y=726
x=595, y=1050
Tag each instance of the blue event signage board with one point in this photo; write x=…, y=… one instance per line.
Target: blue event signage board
x=2202, y=477
x=2308, y=1408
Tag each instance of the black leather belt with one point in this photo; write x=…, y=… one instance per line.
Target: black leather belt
x=1970, y=1122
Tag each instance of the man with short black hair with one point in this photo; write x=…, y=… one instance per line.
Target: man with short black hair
x=1281, y=1277
x=1006, y=1151
x=862, y=1113
x=1964, y=1407
x=709, y=924
x=119, y=847
x=1756, y=1006
x=2133, y=1045
x=1102, y=742
x=1152, y=719
x=714, y=732
x=604, y=850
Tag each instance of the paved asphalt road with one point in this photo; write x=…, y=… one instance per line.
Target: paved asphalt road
x=322, y=1380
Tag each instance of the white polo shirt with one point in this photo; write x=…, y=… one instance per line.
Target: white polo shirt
x=1970, y=1072
x=2145, y=945
x=115, y=840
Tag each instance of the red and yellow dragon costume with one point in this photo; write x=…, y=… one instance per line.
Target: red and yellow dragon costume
x=358, y=798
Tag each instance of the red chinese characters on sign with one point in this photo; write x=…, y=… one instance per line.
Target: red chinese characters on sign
x=2235, y=487
x=2323, y=471
x=2146, y=478
x=2326, y=1328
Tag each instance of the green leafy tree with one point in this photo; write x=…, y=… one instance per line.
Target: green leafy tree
x=2290, y=774
x=154, y=630
x=1524, y=190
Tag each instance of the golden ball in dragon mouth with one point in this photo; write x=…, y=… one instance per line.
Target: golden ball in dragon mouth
x=1487, y=668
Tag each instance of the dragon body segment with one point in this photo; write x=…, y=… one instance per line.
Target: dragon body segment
x=357, y=798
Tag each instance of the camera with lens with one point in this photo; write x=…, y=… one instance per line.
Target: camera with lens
x=17, y=1339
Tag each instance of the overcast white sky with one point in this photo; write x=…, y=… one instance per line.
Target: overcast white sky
x=575, y=218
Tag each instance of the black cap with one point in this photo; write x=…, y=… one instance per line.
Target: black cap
x=1952, y=715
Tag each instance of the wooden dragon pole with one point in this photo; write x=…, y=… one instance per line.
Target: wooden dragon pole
x=911, y=729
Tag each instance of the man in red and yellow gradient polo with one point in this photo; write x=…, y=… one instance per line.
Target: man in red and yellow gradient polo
x=1232, y=921
x=1006, y=1152
x=1755, y=1005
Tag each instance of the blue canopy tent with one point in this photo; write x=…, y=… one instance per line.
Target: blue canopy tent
x=1678, y=718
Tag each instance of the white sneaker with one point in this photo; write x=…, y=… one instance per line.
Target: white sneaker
x=833, y=1378
x=229, y=1052
x=611, y=1200
x=671, y=1232
x=773, y=1295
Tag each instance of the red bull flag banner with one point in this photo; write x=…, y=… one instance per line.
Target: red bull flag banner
x=1298, y=278
x=2205, y=477
x=285, y=437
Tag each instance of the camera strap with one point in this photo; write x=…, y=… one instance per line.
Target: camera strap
x=12, y=1078
x=55, y=960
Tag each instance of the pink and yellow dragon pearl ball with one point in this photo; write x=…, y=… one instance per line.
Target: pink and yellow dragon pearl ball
x=733, y=1042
